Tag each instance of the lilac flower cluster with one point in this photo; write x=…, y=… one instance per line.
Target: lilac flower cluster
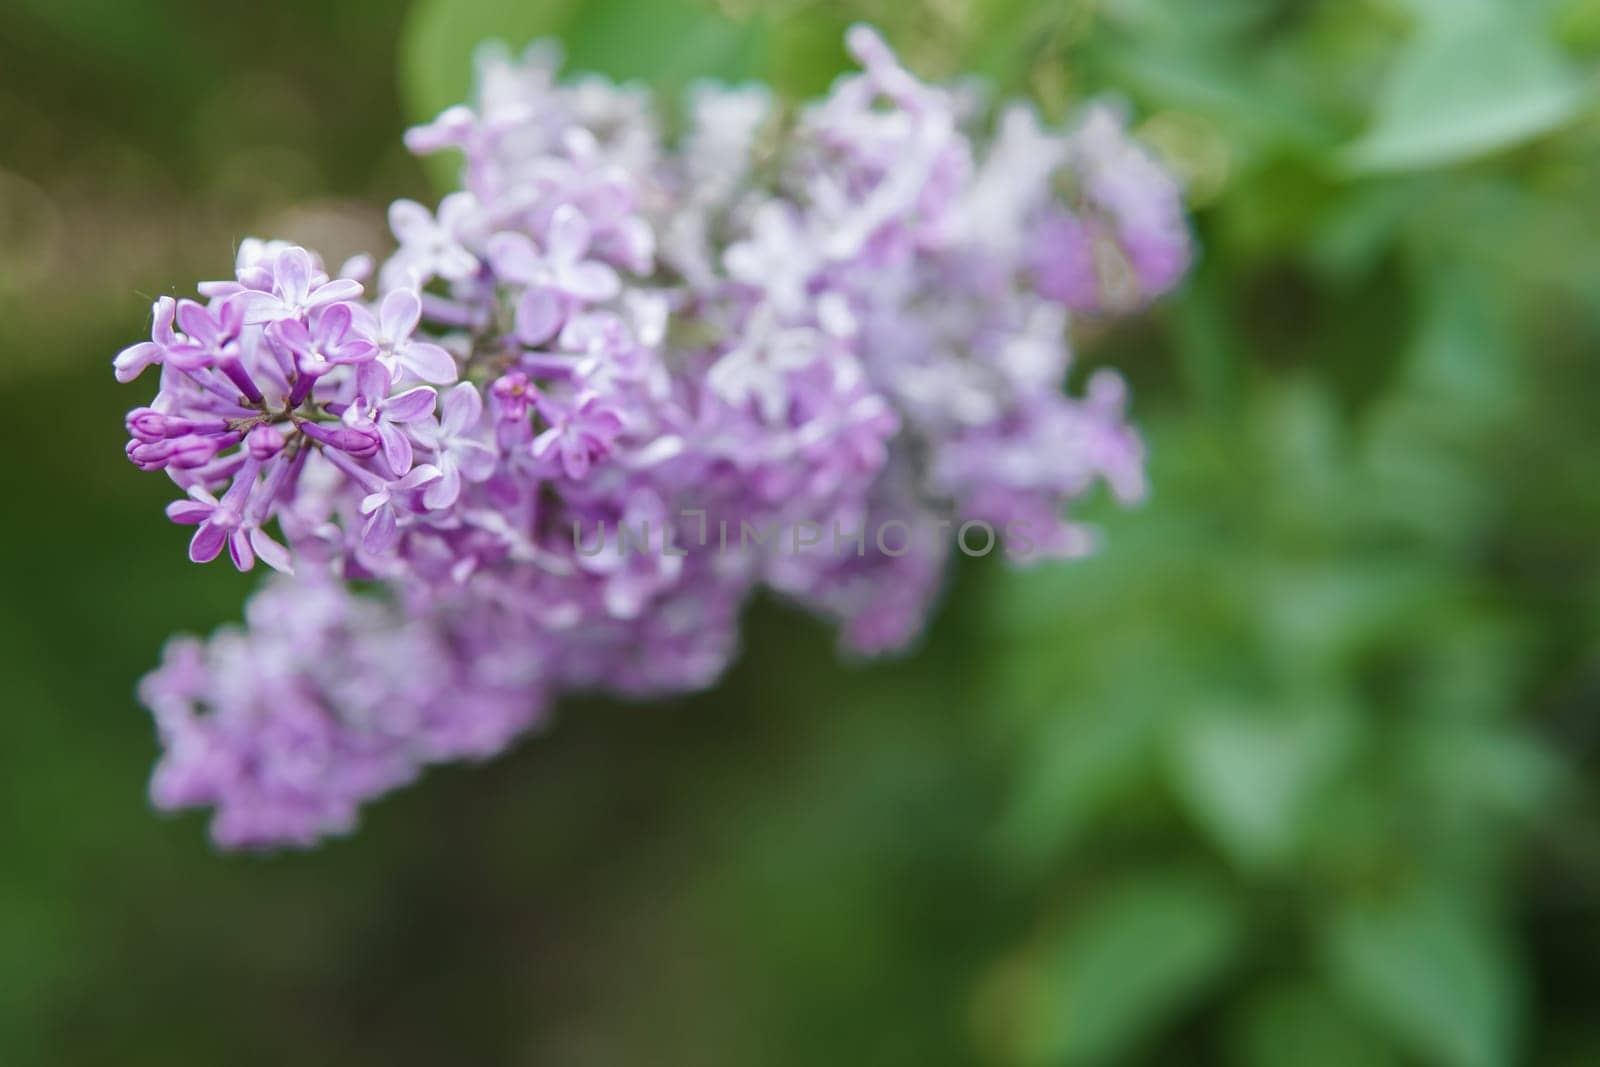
x=846, y=316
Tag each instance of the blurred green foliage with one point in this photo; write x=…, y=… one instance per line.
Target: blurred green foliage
x=1299, y=770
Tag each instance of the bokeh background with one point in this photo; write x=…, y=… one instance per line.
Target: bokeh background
x=1300, y=770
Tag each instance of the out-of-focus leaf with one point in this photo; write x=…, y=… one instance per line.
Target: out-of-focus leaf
x=1443, y=11
x=440, y=38
x=625, y=39
x=1356, y=230
x=1578, y=24
x=1208, y=346
x=1084, y=762
x=664, y=42
x=1434, y=973
x=1256, y=120
x=1463, y=353
x=1486, y=772
x=1306, y=1026
x=1248, y=776
x=1482, y=79
x=1127, y=963
x=1315, y=619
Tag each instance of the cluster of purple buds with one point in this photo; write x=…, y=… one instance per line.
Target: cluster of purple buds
x=610, y=389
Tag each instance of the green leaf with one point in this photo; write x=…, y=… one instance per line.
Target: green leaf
x=1441, y=12
x=1081, y=764
x=1303, y=1025
x=440, y=39
x=1476, y=82
x=1128, y=963
x=665, y=42
x=1249, y=776
x=1432, y=972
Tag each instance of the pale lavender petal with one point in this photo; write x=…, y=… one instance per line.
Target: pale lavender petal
x=372, y=382
x=457, y=263
x=475, y=460
x=396, y=448
x=410, y=405
x=539, y=315
x=379, y=532
x=449, y=130
x=592, y=281
x=292, y=275
x=333, y=291
x=420, y=475
x=514, y=257
x=132, y=361
x=545, y=445
x=461, y=409
x=400, y=314
x=444, y=492
x=410, y=221
x=569, y=234
x=429, y=362
x=271, y=552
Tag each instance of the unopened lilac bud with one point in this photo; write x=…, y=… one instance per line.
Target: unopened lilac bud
x=264, y=442
x=196, y=450
x=356, y=441
x=142, y=454
x=147, y=424
x=184, y=452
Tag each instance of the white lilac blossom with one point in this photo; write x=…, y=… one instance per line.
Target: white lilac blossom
x=612, y=388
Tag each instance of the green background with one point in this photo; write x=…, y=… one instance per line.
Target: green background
x=1301, y=769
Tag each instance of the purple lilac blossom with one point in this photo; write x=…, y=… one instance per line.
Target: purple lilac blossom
x=859, y=330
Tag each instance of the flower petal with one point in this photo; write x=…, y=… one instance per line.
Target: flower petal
x=419, y=476
x=429, y=362
x=239, y=550
x=591, y=280
x=410, y=405
x=207, y=542
x=410, y=221
x=569, y=234
x=475, y=460
x=291, y=275
x=189, y=512
x=379, y=532
x=514, y=257
x=396, y=448
x=401, y=312
x=132, y=361
x=462, y=408
x=444, y=492
x=272, y=554
x=372, y=383
x=195, y=321
x=336, y=290
x=539, y=315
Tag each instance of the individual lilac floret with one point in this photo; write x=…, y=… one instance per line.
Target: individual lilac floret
x=611, y=389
